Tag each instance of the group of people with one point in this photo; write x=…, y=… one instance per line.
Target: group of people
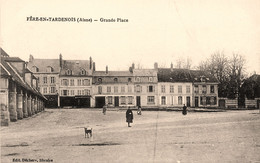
x=130, y=116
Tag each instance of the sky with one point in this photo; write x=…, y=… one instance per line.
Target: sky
x=156, y=31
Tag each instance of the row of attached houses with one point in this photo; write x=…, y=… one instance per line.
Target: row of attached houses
x=76, y=83
x=19, y=93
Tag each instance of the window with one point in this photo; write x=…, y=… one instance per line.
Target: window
x=72, y=92
x=150, y=99
x=38, y=79
x=196, y=89
x=204, y=89
x=129, y=88
x=65, y=82
x=87, y=92
x=212, y=90
x=79, y=92
x=35, y=69
x=52, y=89
x=122, y=100
x=123, y=89
x=115, y=89
x=180, y=100
x=100, y=80
x=138, y=88
x=115, y=80
x=49, y=69
x=68, y=72
x=150, y=79
x=130, y=99
x=72, y=82
x=150, y=88
x=83, y=72
x=108, y=89
x=163, y=100
x=64, y=92
x=79, y=82
x=187, y=89
x=138, y=79
x=213, y=100
x=129, y=79
x=109, y=99
x=171, y=89
x=52, y=79
x=45, y=90
x=45, y=79
x=163, y=89
x=203, y=100
x=179, y=89
x=86, y=82
x=99, y=89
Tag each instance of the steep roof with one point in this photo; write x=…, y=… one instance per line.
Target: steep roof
x=174, y=75
x=42, y=65
x=144, y=72
x=76, y=66
x=112, y=73
x=199, y=76
x=3, y=53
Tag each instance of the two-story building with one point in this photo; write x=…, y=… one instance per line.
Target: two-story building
x=205, y=89
x=174, y=87
x=113, y=88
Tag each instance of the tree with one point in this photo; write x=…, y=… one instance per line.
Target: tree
x=182, y=63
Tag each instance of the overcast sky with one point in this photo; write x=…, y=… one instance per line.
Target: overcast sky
x=156, y=31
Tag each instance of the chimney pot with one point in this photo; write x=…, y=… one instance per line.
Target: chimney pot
x=106, y=69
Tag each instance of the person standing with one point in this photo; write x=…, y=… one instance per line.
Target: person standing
x=104, y=109
x=139, y=110
x=129, y=116
x=184, y=110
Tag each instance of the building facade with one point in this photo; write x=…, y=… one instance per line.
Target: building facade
x=175, y=87
x=75, y=83
x=113, y=88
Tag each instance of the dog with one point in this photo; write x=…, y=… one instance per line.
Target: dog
x=88, y=132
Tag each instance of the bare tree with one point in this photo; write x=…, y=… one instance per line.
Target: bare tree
x=182, y=63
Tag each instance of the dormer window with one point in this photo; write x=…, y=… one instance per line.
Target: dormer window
x=100, y=80
x=83, y=72
x=35, y=69
x=49, y=69
x=68, y=72
x=115, y=79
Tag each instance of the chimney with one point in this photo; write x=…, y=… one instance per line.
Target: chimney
x=31, y=58
x=61, y=65
x=156, y=65
x=106, y=69
x=171, y=66
x=94, y=66
x=90, y=63
x=133, y=66
x=131, y=69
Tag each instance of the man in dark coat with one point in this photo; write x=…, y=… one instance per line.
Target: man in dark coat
x=184, y=110
x=129, y=116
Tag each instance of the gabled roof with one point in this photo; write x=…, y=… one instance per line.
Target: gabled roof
x=200, y=76
x=14, y=75
x=144, y=72
x=174, y=75
x=76, y=66
x=112, y=73
x=42, y=65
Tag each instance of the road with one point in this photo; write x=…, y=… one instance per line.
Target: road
x=155, y=136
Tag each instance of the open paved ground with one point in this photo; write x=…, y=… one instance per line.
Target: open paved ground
x=232, y=136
